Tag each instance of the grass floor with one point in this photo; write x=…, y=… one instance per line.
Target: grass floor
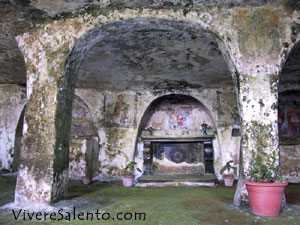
x=162, y=205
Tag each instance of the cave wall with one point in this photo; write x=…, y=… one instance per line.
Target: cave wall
x=115, y=116
x=118, y=114
x=289, y=160
x=84, y=157
x=84, y=147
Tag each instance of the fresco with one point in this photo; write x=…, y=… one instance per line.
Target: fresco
x=289, y=120
x=179, y=117
x=120, y=110
x=82, y=120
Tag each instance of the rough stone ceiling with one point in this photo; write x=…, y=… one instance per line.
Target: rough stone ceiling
x=143, y=54
x=58, y=6
x=12, y=65
x=155, y=56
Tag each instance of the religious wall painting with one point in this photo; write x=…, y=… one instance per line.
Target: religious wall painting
x=178, y=117
x=289, y=121
x=158, y=121
x=119, y=110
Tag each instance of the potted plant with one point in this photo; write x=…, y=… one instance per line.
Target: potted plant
x=228, y=178
x=128, y=175
x=266, y=185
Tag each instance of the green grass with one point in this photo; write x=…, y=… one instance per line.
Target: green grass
x=162, y=205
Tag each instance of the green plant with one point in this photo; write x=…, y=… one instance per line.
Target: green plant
x=265, y=168
x=130, y=168
x=228, y=167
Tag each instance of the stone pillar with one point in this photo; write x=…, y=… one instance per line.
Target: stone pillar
x=255, y=51
x=43, y=172
x=257, y=100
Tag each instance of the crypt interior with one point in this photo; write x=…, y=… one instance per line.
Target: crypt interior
x=180, y=87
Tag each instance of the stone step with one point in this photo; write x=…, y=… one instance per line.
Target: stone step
x=177, y=179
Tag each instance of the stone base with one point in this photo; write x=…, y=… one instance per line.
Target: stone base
x=177, y=180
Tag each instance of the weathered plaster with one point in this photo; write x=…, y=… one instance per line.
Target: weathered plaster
x=12, y=101
x=289, y=161
x=118, y=143
x=77, y=164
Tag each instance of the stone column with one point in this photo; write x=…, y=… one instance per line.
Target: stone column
x=44, y=162
x=255, y=50
x=257, y=100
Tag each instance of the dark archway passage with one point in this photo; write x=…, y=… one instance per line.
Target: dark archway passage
x=289, y=116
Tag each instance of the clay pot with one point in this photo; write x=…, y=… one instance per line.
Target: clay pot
x=228, y=180
x=128, y=180
x=265, y=198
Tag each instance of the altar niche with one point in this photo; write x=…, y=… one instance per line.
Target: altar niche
x=174, y=137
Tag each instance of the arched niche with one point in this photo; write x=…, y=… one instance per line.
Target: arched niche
x=84, y=148
x=174, y=131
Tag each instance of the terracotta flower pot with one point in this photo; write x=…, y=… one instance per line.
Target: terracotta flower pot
x=265, y=198
x=228, y=180
x=128, y=180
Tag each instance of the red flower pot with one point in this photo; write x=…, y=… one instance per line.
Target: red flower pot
x=265, y=198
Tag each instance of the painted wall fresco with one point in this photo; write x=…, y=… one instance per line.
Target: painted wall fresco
x=120, y=110
x=179, y=117
x=289, y=120
x=82, y=120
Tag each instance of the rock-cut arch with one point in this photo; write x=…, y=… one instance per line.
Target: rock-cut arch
x=166, y=120
x=51, y=93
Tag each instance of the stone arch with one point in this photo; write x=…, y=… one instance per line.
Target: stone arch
x=83, y=127
x=289, y=114
x=62, y=53
x=142, y=139
x=98, y=34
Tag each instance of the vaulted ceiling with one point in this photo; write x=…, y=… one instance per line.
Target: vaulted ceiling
x=154, y=54
x=135, y=55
